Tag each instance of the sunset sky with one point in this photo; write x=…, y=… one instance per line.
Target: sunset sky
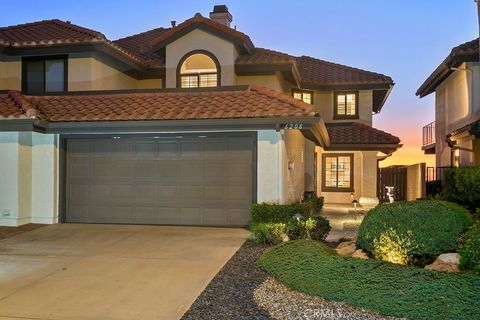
x=404, y=39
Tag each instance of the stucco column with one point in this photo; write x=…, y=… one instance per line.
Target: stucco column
x=369, y=179
x=44, y=178
x=269, y=167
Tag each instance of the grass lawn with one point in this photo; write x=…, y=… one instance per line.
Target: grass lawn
x=403, y=291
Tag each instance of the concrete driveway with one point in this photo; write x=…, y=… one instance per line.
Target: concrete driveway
x=71, y=271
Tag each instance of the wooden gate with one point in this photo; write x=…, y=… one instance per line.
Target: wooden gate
x=395, y=176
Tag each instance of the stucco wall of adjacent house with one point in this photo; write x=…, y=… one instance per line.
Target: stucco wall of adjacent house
x=364, y=175
x=457, y=103
x=197, y=39
x=28, y=188
x=11, y=74
x=324, y=105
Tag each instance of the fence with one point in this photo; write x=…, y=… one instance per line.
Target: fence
x=408, y=182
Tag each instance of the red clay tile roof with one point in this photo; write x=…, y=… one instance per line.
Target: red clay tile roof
x=141, y=45
x=199, y=21
x=55, y=33
x=239, y=102
x=323, y=73
x=264, y=56
x=8, y=108
x=47, y=32
x=466, y=52
x=358, y=133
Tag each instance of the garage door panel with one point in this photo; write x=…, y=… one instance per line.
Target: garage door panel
x=78, y=148
x=191, y=216
x=187, y=180
x=100, y=148
x=79, y=193
x=167, y=149
x=191, y=148
x=214, y=216
x=166, y=168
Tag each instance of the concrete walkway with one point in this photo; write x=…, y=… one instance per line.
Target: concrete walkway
x=344, y=221
x=69, y=271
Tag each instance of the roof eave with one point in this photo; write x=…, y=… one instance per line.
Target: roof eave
x=243, y=45
x=386, y=148
x=442, y=72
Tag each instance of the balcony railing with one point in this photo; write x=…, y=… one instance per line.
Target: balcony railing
x=428, y=134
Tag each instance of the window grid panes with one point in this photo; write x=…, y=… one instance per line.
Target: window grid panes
x=208, y=80
x=338, y=171
x=347, y=104
x=304, y=96
x=190, y=81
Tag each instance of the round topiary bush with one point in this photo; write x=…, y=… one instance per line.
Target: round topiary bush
x=412, y=232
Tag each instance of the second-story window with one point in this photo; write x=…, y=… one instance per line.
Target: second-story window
x=346, y=105
x=198, y=70
x=305, y=96
x=44, y=74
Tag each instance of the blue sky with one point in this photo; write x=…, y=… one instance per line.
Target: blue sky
x=405, y=39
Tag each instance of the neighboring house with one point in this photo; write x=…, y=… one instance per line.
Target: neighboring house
x=454, y=137
x=183, y=125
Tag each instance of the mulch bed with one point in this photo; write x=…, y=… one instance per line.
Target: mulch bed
x=230, y=294
x=6, y=232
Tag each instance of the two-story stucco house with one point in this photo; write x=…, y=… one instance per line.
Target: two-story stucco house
x=454, y=136
x=185, y=125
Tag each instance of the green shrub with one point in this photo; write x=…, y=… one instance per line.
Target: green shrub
x=462, y=186
x=469, y=248
x=412, y=232
x=321, y=229
x=268, y=233
x=299, y=228
x=315, y=205
x=273, y=213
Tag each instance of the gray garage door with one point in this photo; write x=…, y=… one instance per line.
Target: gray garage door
x=178, y=179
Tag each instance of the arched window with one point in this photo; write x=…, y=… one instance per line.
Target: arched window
x=198, y=69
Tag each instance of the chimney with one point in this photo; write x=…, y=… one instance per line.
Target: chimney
x=221, y=15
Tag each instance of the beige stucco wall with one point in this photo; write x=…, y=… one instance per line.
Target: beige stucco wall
x=223, y=50
x=293, y=165
x=28, y=188
x=324, y=104
x=364, y=178
x=457, y=103
x=273, y=81
x=86, y=72
x=11, y=75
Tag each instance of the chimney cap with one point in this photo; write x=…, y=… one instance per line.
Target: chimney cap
x=221, y=8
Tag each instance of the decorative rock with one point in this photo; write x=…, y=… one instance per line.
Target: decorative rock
x=447, y=262
x=360, y=254
x=449, y=258
x=346, y=248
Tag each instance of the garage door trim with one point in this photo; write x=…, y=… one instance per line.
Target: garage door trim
x=63, y=148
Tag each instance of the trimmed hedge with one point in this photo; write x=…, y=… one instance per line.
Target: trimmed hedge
x=315, y=228
x=321, y=229
x=277, y=213
x=469, y=249
x=462, y=186
x=412, y=232
x=268, y=233
x=281, y=213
